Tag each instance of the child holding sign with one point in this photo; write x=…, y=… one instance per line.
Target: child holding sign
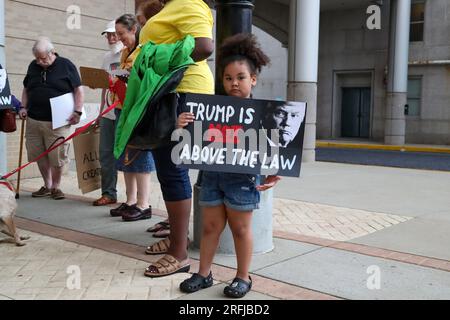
x=230, y=197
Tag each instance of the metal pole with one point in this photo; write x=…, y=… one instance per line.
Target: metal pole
x=232, y=17
x=3, y=159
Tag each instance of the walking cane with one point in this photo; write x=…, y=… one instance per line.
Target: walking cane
x=20, y=157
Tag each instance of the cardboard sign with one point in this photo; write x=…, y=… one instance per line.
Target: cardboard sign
x=237, y=135
x=94, y=78
x=5, y=92
x=86, y=149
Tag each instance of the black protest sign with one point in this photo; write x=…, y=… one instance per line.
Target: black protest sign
x=238, y=135
x=5, y=91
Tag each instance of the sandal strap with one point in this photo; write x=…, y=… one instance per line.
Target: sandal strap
x=160, y=246
x=165, y=224
x=166, y=264
x=159, y=226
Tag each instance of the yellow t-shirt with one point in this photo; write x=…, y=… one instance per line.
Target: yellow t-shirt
x=177, y=19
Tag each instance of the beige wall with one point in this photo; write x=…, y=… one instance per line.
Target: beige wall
x=26, y=20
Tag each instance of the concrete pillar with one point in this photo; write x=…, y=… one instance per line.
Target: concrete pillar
x=397, y=86
x=303, y=65
x=3, y=158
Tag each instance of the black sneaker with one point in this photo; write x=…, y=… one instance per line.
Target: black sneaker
x=117, y=212
x=133, y=213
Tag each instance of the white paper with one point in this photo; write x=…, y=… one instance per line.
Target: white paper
x=62, y=109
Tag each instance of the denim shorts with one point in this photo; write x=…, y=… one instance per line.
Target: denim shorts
x=136, y=161
x=236, y=191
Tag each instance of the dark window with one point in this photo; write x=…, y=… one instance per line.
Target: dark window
x=414, y=95
x=417, y=21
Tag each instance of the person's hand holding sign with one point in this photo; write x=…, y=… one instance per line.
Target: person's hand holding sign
x=184, y=119
x=270, y=182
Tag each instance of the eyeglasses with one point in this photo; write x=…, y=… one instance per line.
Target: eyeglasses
x=110, y=35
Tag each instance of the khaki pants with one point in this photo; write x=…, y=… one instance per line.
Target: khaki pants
x=40, y=136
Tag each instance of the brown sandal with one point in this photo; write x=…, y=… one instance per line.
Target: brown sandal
x=166, y=266
x=162, y=225
x=159, y=247
x=162, y=233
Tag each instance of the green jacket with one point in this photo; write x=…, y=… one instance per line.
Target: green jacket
x=156, y=64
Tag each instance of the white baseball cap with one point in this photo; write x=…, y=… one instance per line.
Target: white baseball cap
x=110, y=27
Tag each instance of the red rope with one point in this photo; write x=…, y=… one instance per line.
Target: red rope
x=8, y=185
x=73, y=135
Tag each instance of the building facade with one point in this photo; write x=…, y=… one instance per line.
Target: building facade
x=74, y=27
x=353, y=75
x=354, y=83
x=351, y=87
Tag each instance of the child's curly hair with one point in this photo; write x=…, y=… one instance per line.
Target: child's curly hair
x=242, y=47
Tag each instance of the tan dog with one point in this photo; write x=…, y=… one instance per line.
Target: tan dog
x=8, y=206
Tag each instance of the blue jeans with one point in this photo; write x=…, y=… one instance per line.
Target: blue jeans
x=107, y=161
x=236, y=191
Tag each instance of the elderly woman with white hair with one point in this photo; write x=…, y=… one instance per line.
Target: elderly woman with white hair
x=48, y=76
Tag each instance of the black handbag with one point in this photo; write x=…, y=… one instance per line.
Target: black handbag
x=155, y=128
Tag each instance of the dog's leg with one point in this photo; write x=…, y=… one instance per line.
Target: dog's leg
x=7, y=233
x=11, y=235
x=9, y=222
x=8, y=240
x=17, y=235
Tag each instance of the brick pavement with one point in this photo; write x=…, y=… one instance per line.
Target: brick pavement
x=112, y=269
x=329, y=222
x=41, y=271
x=298, y=217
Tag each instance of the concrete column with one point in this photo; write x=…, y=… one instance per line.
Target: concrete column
x=3, y=158
x=397, y=87
x=303, y=64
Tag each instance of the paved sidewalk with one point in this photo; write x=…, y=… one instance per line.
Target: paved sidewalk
x=311, y=219
x=335, y=228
